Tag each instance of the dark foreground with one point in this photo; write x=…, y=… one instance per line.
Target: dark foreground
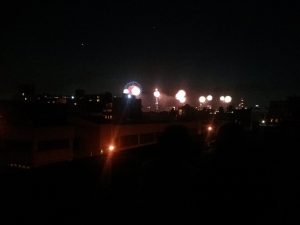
x=250, y=178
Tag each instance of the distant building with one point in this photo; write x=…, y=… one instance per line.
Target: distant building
x=33, y=135
x=187, y=112
x=286, y=111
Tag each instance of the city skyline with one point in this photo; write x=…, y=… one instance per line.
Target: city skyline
x=247, y=50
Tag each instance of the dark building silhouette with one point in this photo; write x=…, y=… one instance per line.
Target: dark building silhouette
x=187, y=112
x=126, y=109
x=286, y=111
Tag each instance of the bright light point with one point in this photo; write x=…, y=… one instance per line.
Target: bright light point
x=256, y=106
x=222, y=98
x=202, y=99
x=135, y=91
x=180, y=95
x=263, y=121
x=182, y=100
x=156, y=93
x=128, y=96
x=72, y=97
x=209, y=98
x=23, y=94
x=111, y=148
x=132, y=88
x=228, y=99
x=209, y=128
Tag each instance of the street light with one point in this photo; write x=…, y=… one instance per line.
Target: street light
x=227, y=99
x=202, y=100
x=209, y=99
x=156, y=94
x=111, y=148
x=181, y=96
x=182, y=100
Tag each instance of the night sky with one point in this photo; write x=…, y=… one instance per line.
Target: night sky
x=248, y=50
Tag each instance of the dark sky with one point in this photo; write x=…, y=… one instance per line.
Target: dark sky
x=248, y=50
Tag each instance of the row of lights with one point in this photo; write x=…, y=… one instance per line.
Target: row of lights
x=180, y=95
x=225, y=99
x=15, y=165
